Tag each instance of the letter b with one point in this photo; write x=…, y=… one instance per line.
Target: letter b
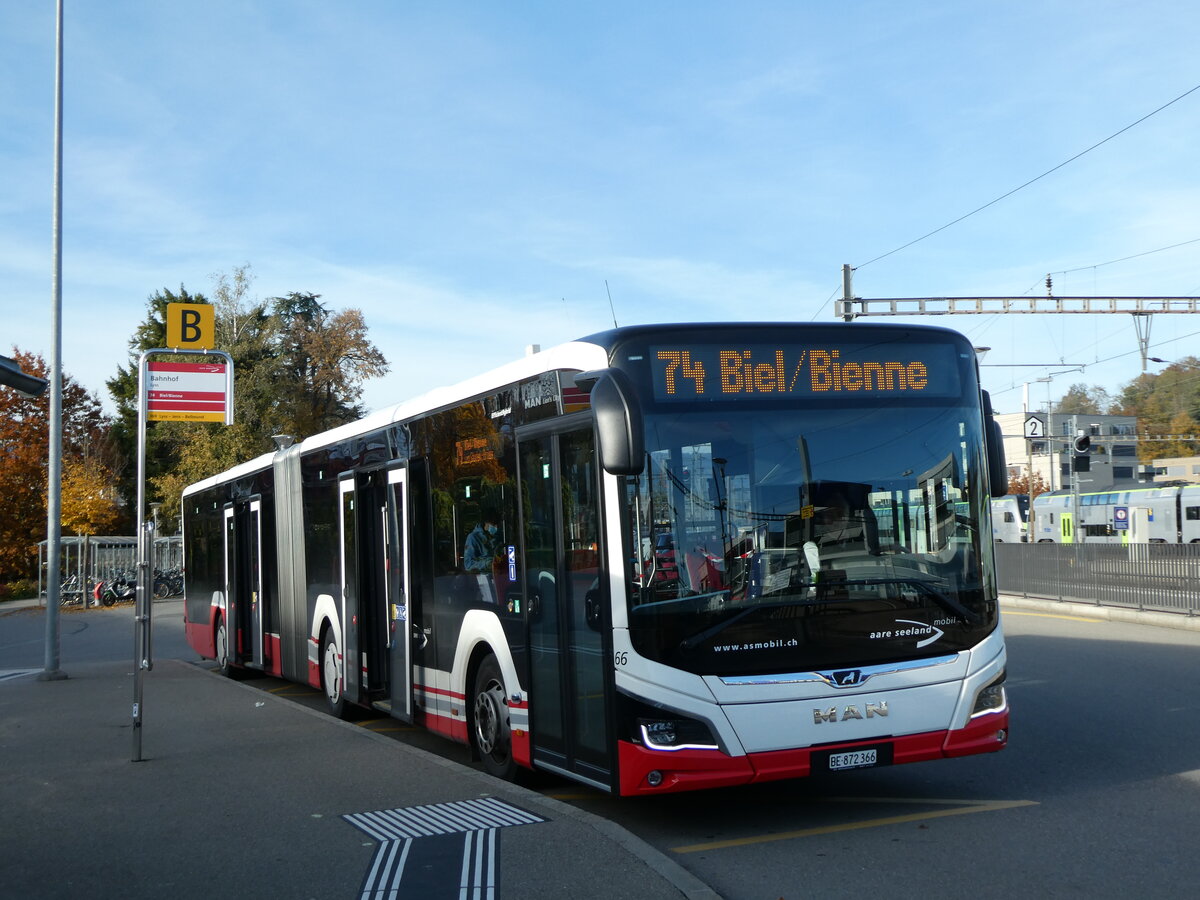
x=190, y=326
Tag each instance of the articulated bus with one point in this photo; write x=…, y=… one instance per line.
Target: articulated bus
x=1164, y=514
x=655, y=559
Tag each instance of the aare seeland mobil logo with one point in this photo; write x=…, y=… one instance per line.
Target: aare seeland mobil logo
x=906, y=628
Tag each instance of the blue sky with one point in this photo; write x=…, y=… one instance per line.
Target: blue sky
x=471, y=174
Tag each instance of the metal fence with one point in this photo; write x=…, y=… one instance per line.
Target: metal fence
x=1161, y=577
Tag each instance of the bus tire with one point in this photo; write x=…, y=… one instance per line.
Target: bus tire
x=491, y=734
x=331, y=681
x=221, y=649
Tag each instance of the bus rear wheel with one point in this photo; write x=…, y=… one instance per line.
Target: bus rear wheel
x=331, y=676
x=490, y=730
x=221, y=647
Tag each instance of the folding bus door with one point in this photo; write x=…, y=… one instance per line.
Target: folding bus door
x=353, y=661
x=254, y=573
x=570, y=685
x=394, y=515
x=244, y=596
x=375, y=589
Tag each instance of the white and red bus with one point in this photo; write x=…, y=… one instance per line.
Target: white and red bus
x=660, y=558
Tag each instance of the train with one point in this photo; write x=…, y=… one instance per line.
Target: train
x=1158, y=514
x=1010, y=519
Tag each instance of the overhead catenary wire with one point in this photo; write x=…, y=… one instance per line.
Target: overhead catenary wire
x=1030, y=181
x=1126, y=258
x=1101, y=361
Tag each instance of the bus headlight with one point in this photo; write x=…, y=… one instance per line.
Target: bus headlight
x=991, y=698
x=675, y=733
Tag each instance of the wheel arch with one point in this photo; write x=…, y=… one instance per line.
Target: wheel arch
x=324, y=621
x=481, y=636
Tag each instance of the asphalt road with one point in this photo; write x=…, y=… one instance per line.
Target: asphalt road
x=1096, y=796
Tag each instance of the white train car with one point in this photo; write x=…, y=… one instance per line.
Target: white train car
x=1166, y=514
x=1010, y=519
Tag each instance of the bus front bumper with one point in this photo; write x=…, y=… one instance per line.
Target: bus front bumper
x=644, y=771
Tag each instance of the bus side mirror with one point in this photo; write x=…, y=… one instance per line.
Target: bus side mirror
x=994, y=444
x=618, y=420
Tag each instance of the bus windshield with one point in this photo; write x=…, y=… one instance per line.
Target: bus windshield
x=809, y=536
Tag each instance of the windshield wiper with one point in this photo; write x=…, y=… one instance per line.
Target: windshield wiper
x=941, y=598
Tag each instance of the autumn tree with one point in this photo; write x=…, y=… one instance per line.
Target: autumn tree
x=324, y=358
x=25, y=449
x=89, y=501
x=1024, y=484
x=1158, y=400
x=1176, y=443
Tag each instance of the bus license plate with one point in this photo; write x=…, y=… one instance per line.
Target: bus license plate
x=854, y=759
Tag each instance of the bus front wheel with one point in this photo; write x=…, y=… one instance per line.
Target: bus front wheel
x=490, y=729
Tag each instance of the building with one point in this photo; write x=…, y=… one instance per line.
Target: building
x=1111, y=460
x=1178, y=468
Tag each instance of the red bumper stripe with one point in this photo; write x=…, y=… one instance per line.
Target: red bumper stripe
x=686, y=770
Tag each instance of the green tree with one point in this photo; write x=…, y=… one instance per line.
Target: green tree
x=1080, y=399
x=298, y=369
x=161, y=450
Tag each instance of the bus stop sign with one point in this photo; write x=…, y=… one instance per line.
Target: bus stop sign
x=191, y=326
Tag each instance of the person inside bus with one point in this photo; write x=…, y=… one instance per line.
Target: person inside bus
x=479, y=554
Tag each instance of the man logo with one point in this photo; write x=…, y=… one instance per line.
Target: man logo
x=847, y=677
x=822, y=716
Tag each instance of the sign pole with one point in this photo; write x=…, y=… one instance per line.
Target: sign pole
x=142, y=657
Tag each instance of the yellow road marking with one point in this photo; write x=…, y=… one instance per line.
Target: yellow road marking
x=989, y=806
x=1051, y=616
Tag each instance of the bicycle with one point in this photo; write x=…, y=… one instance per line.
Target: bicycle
x=70, y=593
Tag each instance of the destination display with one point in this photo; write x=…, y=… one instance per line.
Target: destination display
x=821, y=370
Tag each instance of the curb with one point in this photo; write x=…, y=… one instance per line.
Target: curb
x=676, y=875
x=1178, y=621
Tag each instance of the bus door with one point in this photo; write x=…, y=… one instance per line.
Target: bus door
x=244, y=598
x=570, y=683
x=353, y=660
x=393, y=514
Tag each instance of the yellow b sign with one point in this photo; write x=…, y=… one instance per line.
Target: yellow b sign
x=191, y=326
